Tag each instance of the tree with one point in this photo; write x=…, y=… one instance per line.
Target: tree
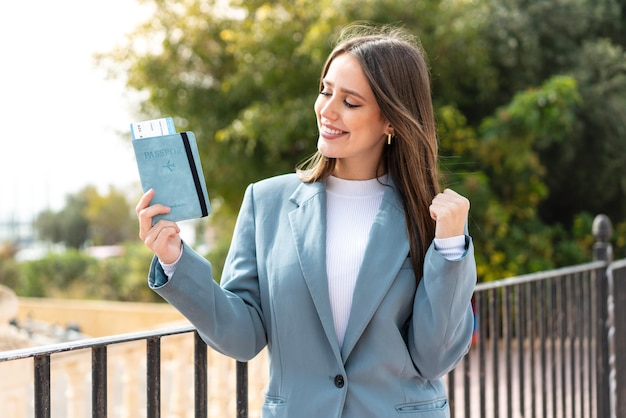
x=244, y=81
x=110, y=217
x=532, y=41
x=88, y=218
x=48, y=226
x=526, y=93
x=68, y=226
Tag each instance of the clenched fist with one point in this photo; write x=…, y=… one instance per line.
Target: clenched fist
x=449, y=210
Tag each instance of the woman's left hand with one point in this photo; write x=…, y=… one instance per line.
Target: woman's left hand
x=449, y=210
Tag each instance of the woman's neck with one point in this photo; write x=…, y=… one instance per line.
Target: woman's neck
x=346, y=171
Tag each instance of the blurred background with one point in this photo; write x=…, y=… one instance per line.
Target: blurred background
x=63, y=119
x=530, y=100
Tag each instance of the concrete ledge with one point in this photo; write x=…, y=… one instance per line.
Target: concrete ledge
x=98, y=318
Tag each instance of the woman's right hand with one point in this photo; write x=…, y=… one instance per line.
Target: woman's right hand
x=164, y=237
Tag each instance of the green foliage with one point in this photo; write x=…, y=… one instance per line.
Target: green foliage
x=513, y=239
x=533, y=41
x=530, y=100
x=89, y=218
x=73, y=274
x=111, y=218
x=123, y=278
x=10, y=272
x=533, y=120
x=72, y=223
x=54, y=273
x=588, y=173
x=620, y=240
x=498, y=165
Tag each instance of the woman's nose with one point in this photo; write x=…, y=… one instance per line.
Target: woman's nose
x=329, y=110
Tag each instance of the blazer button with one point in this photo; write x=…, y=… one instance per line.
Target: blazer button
x=339, y=382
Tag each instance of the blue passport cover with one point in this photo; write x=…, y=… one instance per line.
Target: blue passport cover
x=170, y=165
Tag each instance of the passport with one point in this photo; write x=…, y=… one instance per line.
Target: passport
x=169, y=163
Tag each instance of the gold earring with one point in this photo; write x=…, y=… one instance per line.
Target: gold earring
x=388, y=139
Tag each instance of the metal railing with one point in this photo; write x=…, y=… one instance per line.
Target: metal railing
x=549, y=344
x=616, y=324
x=42, y=357
x=538, y=350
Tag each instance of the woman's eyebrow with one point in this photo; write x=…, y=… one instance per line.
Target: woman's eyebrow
x=344, y=90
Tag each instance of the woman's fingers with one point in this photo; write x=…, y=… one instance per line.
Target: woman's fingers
x=163, y=237
x=449, y=210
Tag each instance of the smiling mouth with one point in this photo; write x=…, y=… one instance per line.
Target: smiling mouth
x=330, y=131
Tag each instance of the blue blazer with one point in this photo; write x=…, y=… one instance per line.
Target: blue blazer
x=400, y=339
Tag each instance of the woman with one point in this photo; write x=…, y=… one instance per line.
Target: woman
x=355, y=272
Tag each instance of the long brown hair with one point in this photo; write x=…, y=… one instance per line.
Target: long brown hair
x=395, y=65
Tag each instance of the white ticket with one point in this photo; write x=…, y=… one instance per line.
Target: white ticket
x=152, y=128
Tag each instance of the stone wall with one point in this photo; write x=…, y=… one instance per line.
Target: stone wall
x=98, y=318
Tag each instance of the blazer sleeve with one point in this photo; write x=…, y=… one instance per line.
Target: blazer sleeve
x=441, y=328
x=229, y=319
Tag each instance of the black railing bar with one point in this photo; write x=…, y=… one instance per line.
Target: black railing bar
x=542, y=275
x=591, y=345
x=467, y=373
x=575, y=335
x=494, y=324
x=451, y=390
x=552, y=327
x=521, y=335
x=482, y=307
x=242, y=389
x=564, y=338
x=153, y=377
x=200, y=377
x=602, y=359
x=619, y=342
x=99, y=382
x=542, y=344
x=532, y=329
x=85, y=343
x=42, y=386
x=585, y=347
x=507, y=309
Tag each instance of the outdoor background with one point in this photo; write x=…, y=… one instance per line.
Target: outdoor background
x=63, y=120
x=530, y=99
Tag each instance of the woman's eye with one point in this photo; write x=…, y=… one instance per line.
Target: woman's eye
x=345, y=101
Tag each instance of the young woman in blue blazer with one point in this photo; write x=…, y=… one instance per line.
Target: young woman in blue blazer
x=356, y=271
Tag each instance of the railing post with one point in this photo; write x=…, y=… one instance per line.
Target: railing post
x=200, y=376
x=99, y=382
x=42, y=386
x=602, y=230
x=153, y=378
x=242, y=389
x=618, y=343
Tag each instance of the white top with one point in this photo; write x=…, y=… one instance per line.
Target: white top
x=351, y=208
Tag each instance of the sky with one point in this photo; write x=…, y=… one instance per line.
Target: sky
x=65, y=125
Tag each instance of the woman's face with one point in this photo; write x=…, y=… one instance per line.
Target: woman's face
x=351, y=126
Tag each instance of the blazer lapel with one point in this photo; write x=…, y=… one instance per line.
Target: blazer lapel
x=308, y=223
x=386, y=251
